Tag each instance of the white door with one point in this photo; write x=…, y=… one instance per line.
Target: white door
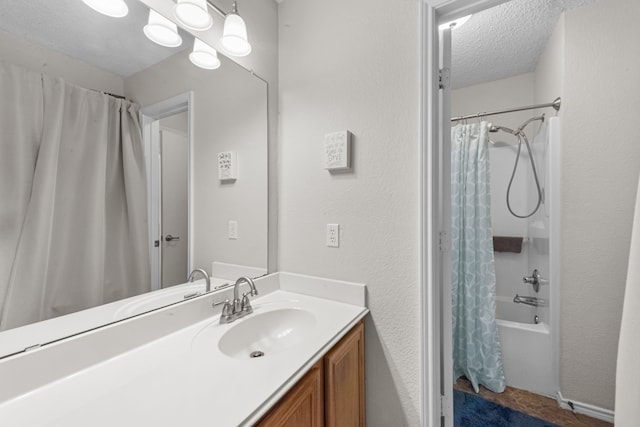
x=175, y=215
x=166, y=128
x=444, y=136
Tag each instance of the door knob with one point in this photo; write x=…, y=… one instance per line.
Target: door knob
x=170, y=238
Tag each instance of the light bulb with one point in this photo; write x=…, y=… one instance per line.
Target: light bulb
x=113, y=8
x=193, y=14
x=161, y=30
x=204, y=56
x=234, y=36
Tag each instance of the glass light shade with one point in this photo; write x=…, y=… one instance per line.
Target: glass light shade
x=162, y=31
x=234, y=36
x=204, y=56
x=113, y=8
x=193, y=14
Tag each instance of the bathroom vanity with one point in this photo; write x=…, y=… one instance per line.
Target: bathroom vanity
x=331, y=393
x=179, y=366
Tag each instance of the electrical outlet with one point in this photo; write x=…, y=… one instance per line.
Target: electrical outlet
x=233, y=230
x=333, y=235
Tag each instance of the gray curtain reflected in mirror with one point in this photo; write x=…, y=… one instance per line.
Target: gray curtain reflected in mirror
x=74, y=216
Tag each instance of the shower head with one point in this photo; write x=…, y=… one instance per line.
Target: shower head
x=504, y=129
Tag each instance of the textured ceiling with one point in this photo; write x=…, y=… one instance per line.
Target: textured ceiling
x=71, y=27
x=504, y=41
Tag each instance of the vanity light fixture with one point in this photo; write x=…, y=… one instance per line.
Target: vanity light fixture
x=161, y=30
x=193, y=14
x=234, y=35
x=113, y=8
x=204, y=56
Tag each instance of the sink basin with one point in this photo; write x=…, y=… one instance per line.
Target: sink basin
x=264, y=334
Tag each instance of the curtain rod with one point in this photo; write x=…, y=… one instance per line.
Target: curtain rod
x=555, y=104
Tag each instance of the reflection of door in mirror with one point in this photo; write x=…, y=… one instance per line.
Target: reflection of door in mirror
x=167, y=136
x=174, y=217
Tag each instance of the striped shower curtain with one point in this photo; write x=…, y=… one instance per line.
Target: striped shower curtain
x=476, y=341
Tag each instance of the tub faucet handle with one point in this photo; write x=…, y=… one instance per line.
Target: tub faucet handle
x=533, y=280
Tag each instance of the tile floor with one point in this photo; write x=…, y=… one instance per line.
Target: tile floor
x=533, y=404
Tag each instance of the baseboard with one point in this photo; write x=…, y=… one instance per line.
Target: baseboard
x=585, y=409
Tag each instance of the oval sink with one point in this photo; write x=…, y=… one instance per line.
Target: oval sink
x=264, y=334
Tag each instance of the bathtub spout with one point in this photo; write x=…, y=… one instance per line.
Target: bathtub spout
x=532, y=301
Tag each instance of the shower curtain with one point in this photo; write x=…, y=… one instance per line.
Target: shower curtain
x=476, y=341
x=73, y=221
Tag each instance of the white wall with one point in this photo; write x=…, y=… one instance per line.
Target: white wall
x=354, y=65
x=601, y=160
x=230, y=114
x=40, y=59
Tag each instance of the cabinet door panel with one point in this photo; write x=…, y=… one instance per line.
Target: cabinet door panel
x=302, y=405
x=344, y=381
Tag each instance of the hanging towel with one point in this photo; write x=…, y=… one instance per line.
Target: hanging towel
x=507, y=244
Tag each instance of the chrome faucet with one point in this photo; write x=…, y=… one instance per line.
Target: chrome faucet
x=238, y=307
x=204, y=273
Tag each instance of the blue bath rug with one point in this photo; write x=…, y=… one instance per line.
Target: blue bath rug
x=474, y=411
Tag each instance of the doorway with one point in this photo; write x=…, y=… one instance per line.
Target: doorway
x=168, y=143
x=174, y=190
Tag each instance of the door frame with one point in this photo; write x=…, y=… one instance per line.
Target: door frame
x=435, y=119
x=149, y=121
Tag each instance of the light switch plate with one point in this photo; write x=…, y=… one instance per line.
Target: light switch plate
x=337, y=150
x=233, y=230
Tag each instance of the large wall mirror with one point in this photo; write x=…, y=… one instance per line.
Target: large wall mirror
x=189, y=214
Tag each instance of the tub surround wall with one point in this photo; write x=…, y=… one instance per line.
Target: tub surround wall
x=549, y=84
x=354, y=66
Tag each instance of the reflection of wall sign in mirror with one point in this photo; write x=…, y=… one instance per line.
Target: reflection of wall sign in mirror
x=337, y=150
x=227, y=166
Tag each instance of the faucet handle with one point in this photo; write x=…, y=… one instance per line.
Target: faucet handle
x=227, y=312
x=246, y=304
x=227, y=309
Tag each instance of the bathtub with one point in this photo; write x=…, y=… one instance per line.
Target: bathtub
x=527, y=350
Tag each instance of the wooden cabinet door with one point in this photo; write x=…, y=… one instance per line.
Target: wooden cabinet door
x=302, y=406
x=344, y=381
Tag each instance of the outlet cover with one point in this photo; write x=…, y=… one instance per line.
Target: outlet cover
x=333, y=235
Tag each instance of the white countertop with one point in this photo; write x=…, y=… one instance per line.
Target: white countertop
x=183, y=378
